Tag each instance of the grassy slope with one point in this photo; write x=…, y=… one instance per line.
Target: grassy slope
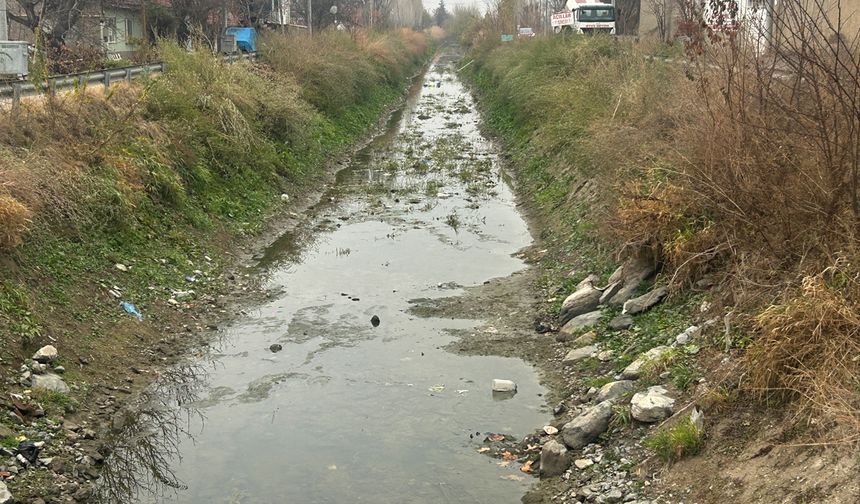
x=164, y=178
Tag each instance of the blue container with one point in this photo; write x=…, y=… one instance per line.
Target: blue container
x=246, y=38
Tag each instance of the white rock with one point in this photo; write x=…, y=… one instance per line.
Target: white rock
x=578, y=354
x=47, y=353
x=614, y=390
x=581, y=322
x=5, y=494
x=583, y=463
x=585, y=299
x=550, y=430
x=504, y=386
x=634, y=370
x=652, y=405
x=285, y=197
x=50, y=382
x=644, y=302
x=121, y=267
x=688, y=334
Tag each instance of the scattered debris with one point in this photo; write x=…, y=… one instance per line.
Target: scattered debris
x=504, y=386
x=131, y=310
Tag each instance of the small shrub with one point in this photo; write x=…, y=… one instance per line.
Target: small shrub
x=684, y=439
x=622, y=416
x=682, y=375
x=55, y=403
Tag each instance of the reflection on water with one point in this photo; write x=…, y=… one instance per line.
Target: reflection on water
x=144, y=437
x=349, y=410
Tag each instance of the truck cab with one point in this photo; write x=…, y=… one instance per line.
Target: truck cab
x=585, y=16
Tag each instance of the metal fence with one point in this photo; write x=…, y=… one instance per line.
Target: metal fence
x=18, y=89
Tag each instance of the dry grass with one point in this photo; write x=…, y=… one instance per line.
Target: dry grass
x=88, y=160
x=351, y=61
x=808, y=348
x=737, y=165
x=14, y=220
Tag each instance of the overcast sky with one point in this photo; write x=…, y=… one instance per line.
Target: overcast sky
x=430, y=5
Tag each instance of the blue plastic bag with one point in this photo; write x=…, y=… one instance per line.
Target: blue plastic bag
x=131, y=310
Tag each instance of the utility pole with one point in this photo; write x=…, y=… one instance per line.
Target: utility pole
x=4, y=27
x=144, y=40
x=310, y=19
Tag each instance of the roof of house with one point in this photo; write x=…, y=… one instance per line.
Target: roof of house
x=133, y=4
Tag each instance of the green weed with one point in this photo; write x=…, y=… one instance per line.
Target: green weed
x=682, y=440
x=55, y=403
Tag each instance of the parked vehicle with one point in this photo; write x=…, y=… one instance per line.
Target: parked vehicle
x=585, y=16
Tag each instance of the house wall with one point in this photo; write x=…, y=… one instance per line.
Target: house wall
x=117, y=39
x=126, y=29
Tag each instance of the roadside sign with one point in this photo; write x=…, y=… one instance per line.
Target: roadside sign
x=507, y=38
x=562, y=18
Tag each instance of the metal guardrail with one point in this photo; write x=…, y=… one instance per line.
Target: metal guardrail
x=17, y=90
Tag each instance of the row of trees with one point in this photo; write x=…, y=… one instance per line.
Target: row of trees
x=58, y=20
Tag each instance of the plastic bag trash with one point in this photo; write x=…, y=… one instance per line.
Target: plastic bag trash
x=504, y=386
x=29, y=451
x=131, y=310
x=436, y=388
x=697, y=418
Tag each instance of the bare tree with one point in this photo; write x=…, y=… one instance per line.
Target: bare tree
x=55, y=18
x=659, y=9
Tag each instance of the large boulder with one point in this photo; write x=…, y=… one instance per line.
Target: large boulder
x=633, y=272
x=47, y=353
x=577, y=354
x=634, y=370
x=554, y=459
x=652, y=405
x=621, y=323
x=581, y=322
x=644, y=302
x=50, y=382
x=610, y=291
x=585, y=299
x=585, y=428
x=613, y=390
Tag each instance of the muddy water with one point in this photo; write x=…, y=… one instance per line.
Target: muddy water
x=349, y=412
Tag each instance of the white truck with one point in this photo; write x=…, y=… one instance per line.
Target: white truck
x=585, y=16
